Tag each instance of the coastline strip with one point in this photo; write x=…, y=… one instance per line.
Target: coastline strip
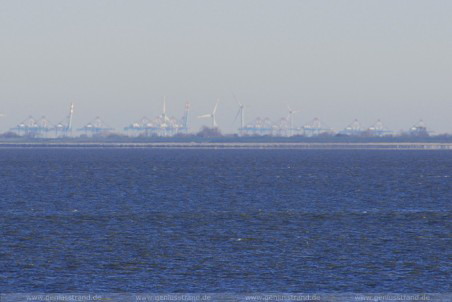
x=229, y=145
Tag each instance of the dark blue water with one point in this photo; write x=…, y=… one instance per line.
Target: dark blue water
x=148, y=220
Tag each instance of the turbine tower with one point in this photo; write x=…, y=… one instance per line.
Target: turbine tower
x=290, y=118
x=211, y=115
x=70, y=116
x=185, y=118
x=165, y=118
x=241, y=113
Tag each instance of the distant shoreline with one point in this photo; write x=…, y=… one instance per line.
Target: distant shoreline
x=231, y=145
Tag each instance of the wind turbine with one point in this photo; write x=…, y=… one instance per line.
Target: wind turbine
x=164, y=116
x=70, y=116
x=241, y=113
x=211, y=115
x=185, y=118
x=290, y=118
x=65, y=126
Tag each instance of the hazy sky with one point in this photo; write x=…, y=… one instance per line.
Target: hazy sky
x=336, y=60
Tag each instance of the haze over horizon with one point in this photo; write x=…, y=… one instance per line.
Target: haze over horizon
x=336, y=60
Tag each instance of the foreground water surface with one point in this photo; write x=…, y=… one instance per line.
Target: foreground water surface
x=156, y=220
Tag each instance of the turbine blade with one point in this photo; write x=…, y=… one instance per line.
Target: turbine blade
x=215, y=108
x=204, y=116
x=235, y=98
x=237, y=115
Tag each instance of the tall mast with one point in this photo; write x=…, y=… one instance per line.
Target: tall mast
x=187, y=111
x=70, y=116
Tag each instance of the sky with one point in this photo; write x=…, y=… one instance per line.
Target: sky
x=334, y=59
